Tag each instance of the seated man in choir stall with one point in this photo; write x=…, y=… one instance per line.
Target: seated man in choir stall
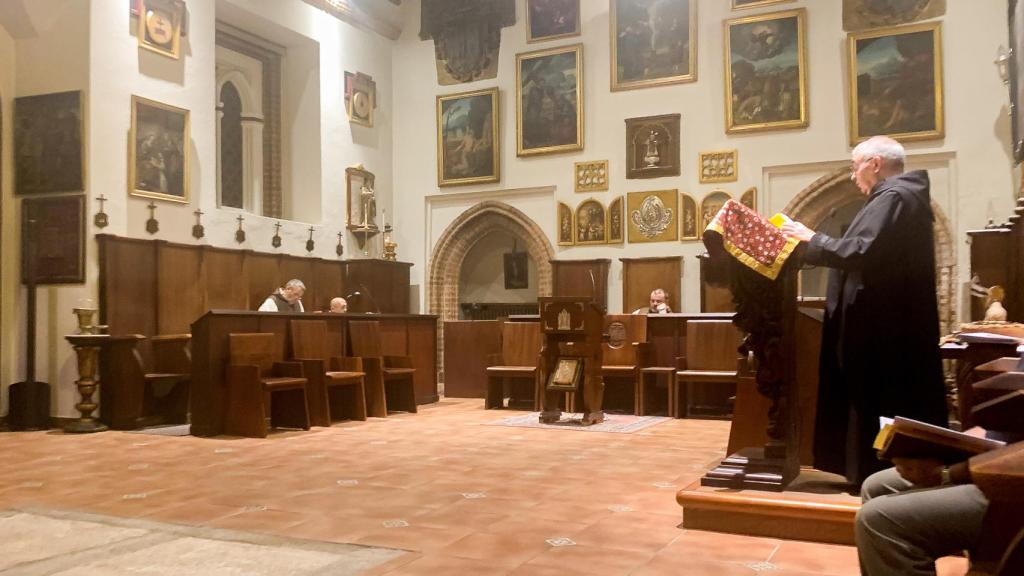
x=921, y=510
x=339, y=305
x=659, y=304
x=287, y=298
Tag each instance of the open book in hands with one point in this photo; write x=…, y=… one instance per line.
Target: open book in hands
x=906, y=438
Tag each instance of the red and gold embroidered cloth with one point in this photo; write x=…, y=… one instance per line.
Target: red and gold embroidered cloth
x=751, y=239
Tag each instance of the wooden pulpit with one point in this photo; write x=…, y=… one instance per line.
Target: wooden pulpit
x=571, y=357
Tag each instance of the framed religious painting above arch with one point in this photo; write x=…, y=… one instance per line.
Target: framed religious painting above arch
x=652, y=146
x=591, y=223
x=158, y=151
x=688, y=218
x=565, y=225
x=468, y=138
x=549, y=101
x=653, y=42
x=652, y=216
x=552, y=19
x=895, y=83
x=766, y=72
x=615, y=234
x=710, y=206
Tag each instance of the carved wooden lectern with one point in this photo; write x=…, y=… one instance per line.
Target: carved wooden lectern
x=571, y=357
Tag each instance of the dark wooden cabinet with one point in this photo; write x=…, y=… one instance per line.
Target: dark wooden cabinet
x=383, y=286
x=581, y=279
x=713, y=298
x=467, y=345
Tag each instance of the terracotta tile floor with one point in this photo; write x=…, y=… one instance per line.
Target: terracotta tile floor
x=463, y=498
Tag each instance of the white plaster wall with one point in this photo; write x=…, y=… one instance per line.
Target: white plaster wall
x=103, y=59
x=483, y=271
x=974, y=178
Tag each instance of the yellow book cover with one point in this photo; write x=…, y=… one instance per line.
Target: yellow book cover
x=779, y=219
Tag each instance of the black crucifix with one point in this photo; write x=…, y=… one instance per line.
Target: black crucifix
x=276, y=240
x=100, y=220
x=309, y=243
x=152, y=226
x=240, y=234
x=339, y=249
x=197, y=230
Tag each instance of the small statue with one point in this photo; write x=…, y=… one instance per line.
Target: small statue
x=369, y=206
x=651, y=155
x=994, y=311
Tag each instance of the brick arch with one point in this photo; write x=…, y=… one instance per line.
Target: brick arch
x=814, y=203
x=462, y=234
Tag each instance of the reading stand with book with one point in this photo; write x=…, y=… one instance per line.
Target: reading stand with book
x=571, y=358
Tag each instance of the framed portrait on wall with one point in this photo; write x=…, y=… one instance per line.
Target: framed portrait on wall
x=53, y=240
x=615, y=234
x=516, y=270
x=653, y=42
x=895, y=83
x=765, y=72
x=158, y=151
x=688, y=219
x=48, y=150
x=591, y=223
x=652, y=216
x=652, y=146
x=467, y=138
x=864, y=14
x=549, y=101
x=565, y=225
x=160, y=26
x=552, y=19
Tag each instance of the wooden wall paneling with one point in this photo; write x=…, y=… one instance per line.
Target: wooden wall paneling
x=573, y=278
x=181, y=292
x=301, y=268
x=422, y=346
x=713, y=298
x=225, y=279
x=327, y=277
x=278, y=326
x=264, y=276
x=393, y=336
x=208, y=389
x=466, y=347
x=127, y=285
x=387, y=284
x=640, y=276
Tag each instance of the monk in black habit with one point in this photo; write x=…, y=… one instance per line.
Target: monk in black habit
x=879, y=348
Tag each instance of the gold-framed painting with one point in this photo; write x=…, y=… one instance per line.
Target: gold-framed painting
x=895, y=82
x=549, y=101
x=652, y=146
x=564, y=224
x=766, y=72
x=688, y=218
x=718, y=166
x=591, y=223
x=49, y=145
x=653, y=43
x=615, y=235
x=468, y=138
x=744, y=4
x=864, y=14
x=552, y=19
x=652, y=216
x=591, y=176
x=749, y=198
x=710, y=206
x=158, y=163
x=160, y=26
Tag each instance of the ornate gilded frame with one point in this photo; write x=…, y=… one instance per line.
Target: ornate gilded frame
x=530, y=38
x=757, y=4
x=706, y=215
x=355, y=177
x=668, y=164
x=546, y=53
x=495, y=139
x=730, y=126
x=688, y=210
x=638, y=219
x=604, y=222
x=690, y=76
x=854, y=117
x=616, y=233
x=133, y=145
x=176, y=8
x=563, y=214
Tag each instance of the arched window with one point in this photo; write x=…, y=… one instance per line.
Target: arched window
x=231, y=168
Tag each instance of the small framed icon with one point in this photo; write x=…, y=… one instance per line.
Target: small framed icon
x=160, y=26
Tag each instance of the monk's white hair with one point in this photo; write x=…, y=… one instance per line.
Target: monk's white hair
x=889, y=150
x=295, y=283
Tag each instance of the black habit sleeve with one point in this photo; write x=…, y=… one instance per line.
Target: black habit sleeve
x=872, y=222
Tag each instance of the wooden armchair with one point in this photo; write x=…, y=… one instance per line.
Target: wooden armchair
x=520, y=349
x=255, y=380
x=711, y=359
x=335, y=385
x=624, y=357
x=389, y=379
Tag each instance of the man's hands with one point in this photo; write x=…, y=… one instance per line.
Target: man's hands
x=922, y=472
x=798, y=231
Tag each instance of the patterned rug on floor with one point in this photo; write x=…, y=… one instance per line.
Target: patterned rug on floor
x=620, y=423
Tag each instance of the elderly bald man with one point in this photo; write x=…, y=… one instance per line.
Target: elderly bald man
x=339, y=305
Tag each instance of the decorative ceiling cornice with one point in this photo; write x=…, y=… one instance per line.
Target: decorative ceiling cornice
x=345, y=11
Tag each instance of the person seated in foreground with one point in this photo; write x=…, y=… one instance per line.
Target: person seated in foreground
x=922, y=510
x=338, y=305
x=659, y=304
x=287, y=298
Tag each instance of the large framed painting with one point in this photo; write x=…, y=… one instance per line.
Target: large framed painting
x=652, y=216
x=896, y=83
x=688, y=219
x=741, y=4
x=591, y=223
x=565, y=227
x=549, y=101
x=615, y=234
x=551, y=19
x=53, y=240
x=653, y=42
x=160, y=23
x=652, y=146
x=765, y=72
x=48, y=147
x=467, y=138
x=710, y=206
x=158, y=151
x=1015, y=67
x=864, y=14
